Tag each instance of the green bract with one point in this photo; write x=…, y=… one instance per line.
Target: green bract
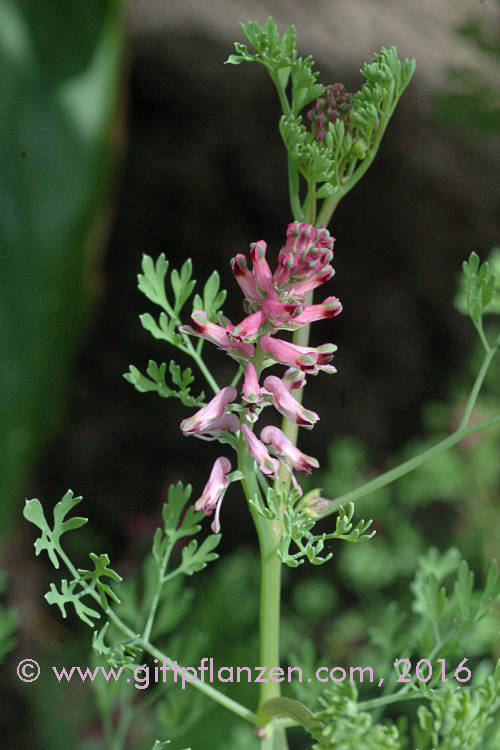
x=332, y=166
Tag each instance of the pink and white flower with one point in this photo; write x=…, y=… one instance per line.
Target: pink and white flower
x=268, y=465
x=329, y=308
x=214, y=491
x=204, y=328
x=284, y=448
x=305, y=256
x=248, y=328
x=287, y=405
x=305, y=358
x=212, y=418
x=245, y=279
x=261, y=271
x=293, y=379
x=251, y=390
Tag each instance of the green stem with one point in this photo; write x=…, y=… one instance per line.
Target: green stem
x=189, y=349
x=156, y=598
x=490, y=353
x=293, y=189
x=331, y=203
x=269, y=533
x=146, y=645
x=410, y=465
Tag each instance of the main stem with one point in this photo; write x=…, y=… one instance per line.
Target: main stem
x=269, y=533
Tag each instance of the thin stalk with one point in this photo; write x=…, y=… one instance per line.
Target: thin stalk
x=490, y=353
x=211, y=692
x=330, y=204
x=413, y=463
x=189, y=349
x=156, y=598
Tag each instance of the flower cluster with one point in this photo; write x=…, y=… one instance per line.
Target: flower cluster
x=273, y=301
x=335, y=103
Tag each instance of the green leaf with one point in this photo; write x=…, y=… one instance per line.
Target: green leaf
x=479, y=286
x=213, y=297
x=67, y=596
x=343, y=725
x=49, y=540
x=304, y=86
x=178, y=523
x=178, y=497
x=101, y=570
x=291, y=709
x=196, y=558
x=152, y=280
x=182, y=285
x=120, y=654
x=156, y=382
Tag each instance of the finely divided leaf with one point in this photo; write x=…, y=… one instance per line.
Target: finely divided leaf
x=49, y=540
x=195, y=558
x=66, y=596
x=101, y=570
x=156, y=382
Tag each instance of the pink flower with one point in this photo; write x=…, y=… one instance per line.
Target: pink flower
x=251, y=388
x=248, y=328
x=213, y=494
x=212, y=418
x=258, y=450
x=279, y=313
x=204, y=328
x=293, y=379
x=300, y=288
x=329, y=308
x=305, y=256
x=245, y=279
x=261, y=271
x=287, y=405
x=284, y=447
x=302, y=357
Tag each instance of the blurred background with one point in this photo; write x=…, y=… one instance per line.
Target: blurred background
x=122, y=132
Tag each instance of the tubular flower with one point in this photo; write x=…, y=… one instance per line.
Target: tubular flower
x=248, y=328
x=303, y=264
x=304, y=358
x=213, y=494
x=305, y=256
x=284, y=448
x=245, y=279
x=216, y=334
x=261, y=271
x=212, y=418
x=269, y=466
x=280, y=313
x=329, y=308
x=293, y=379
x=287, y=405
x=251, y=388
